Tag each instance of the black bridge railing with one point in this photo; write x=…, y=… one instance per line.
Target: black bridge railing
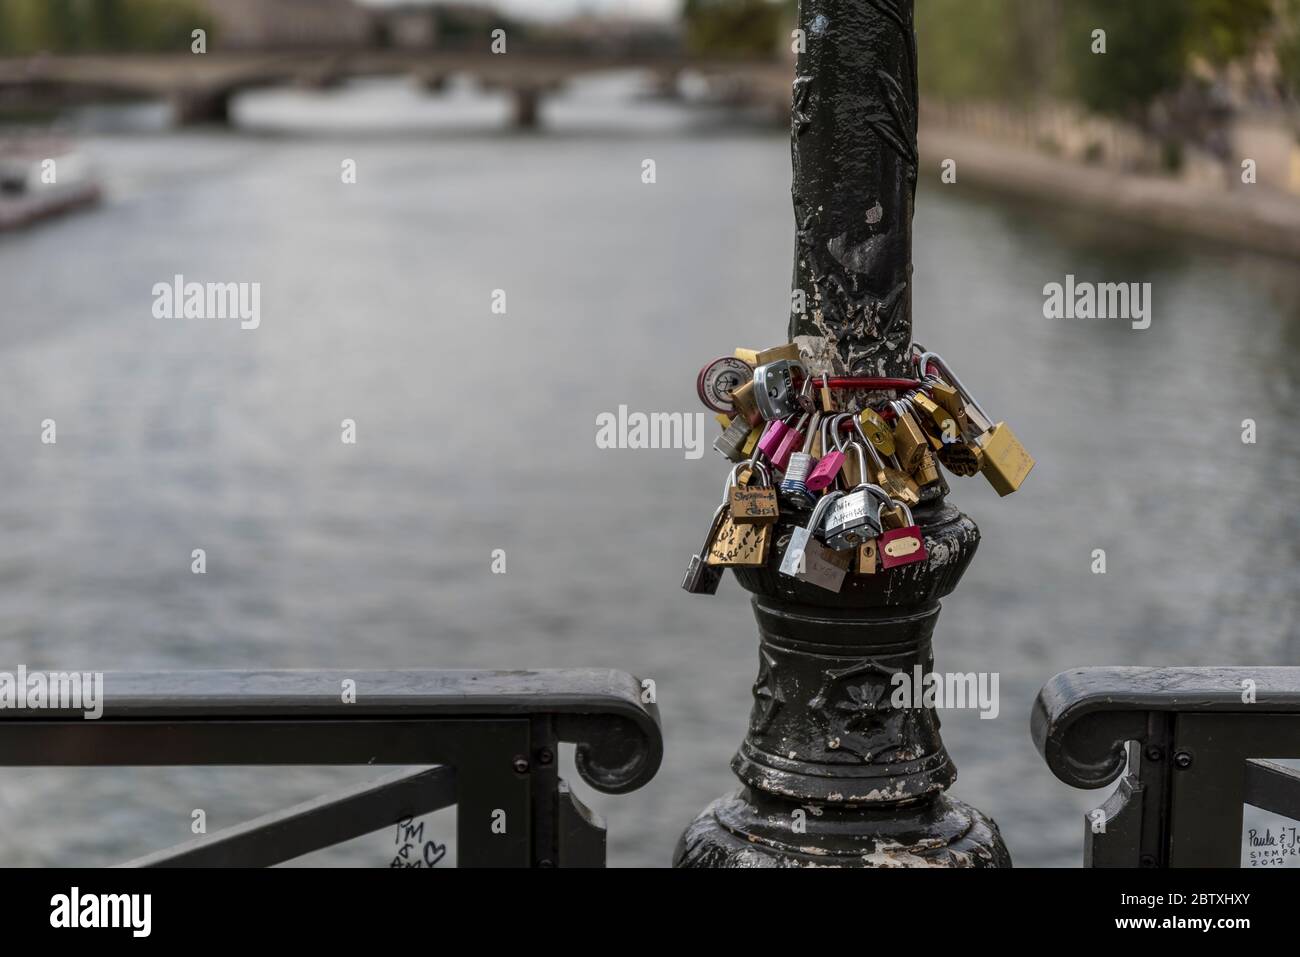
x=1193, y=746
x=492, y=736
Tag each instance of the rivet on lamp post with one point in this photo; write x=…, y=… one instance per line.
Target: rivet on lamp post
x=831, y=772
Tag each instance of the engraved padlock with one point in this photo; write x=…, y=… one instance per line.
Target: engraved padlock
x=828, y=467
x=701, y=577
x=752, y=504
x=807, y=560
x=855, y=517
x=904, y=545
x=731, y=443
x=774, y=390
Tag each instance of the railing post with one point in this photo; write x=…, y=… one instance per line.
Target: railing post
x=832, y=772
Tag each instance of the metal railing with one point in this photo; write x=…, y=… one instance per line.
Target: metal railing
x=1193, y=747
x=492, y=736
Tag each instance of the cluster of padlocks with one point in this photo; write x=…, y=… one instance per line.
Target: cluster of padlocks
x=854, y=451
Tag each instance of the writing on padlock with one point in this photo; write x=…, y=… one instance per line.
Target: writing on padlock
x=807, y=560
x=752, y=504
x=774, y=390
x=855, y=518
x=719, y=379
x=701, y=577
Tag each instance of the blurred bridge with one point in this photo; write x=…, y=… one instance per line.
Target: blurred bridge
x=200, y=87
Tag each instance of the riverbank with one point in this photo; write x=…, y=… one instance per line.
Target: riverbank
x=1250, y=216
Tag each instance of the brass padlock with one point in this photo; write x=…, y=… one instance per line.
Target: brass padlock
x=752, y=504
x=1005, y=461
x=893, y=517
x=875, y=431
x=740, y=546
x=867, y=560
x=892, y=480
x=743, y=401
x=789, y=351
x=827, y=396
x=927, y=472
x=910, y=442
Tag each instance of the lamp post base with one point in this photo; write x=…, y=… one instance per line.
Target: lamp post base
x=747, y=829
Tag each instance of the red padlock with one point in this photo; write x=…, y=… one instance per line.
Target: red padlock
x=902, y=546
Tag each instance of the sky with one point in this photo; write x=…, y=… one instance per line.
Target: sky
x=564, y=8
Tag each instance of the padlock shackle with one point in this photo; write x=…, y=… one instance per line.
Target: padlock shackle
x=923, y=364
x=819, y=512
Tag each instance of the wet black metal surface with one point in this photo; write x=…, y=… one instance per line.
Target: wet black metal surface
x=854, y=153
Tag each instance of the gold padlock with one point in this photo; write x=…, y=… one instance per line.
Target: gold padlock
x=788, y=351
x=927, y=472
x=740, y=546
x=895, y=517
x=743, y=401
x=754, y=435
x=875, y=431
x=868, y=561
x=910, y=442
x=1005, y=462
x=751, y=504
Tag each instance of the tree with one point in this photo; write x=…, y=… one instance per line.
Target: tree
x=734, y=27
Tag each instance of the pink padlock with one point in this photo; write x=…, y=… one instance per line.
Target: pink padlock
x=771, y=438
x=792, y=442
x=823, y=474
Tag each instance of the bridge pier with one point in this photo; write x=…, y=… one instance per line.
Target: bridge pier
x=201, y=107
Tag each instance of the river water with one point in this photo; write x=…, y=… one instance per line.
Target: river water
x=475, y=432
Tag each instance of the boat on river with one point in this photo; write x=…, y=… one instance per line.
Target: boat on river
x=42, y=177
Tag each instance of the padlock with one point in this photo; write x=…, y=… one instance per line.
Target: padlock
x=719, y=379
x=794, y=485
x=855, y=517
x=893, y=516
x=771, y=439
x=752, y=504
x=742, y=400
x=867, y=558
x=827, y=397
x=1006, y=463
x=832, y=460
x=962, y=458
x=875, y=431
x=977, y=419
x=909, y=441
x=774, y=390
x=892, y=480
x=935, y=413
x=701, y=577
x=790, y=443
x=731, y=443
x=751, y=443
x=807, y=560
x=788, y=351
x=904, y=545
x=927, y=473
x=738, y=545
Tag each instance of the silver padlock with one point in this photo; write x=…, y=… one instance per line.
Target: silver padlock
x=731, y=443
x=855, y=519
x=808, y=560
x=774, y=390
x=701, y=577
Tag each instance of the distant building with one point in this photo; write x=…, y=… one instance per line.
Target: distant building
x=279, y=24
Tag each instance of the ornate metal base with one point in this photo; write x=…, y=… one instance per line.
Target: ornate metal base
x=750, y=830
x=841, y=766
